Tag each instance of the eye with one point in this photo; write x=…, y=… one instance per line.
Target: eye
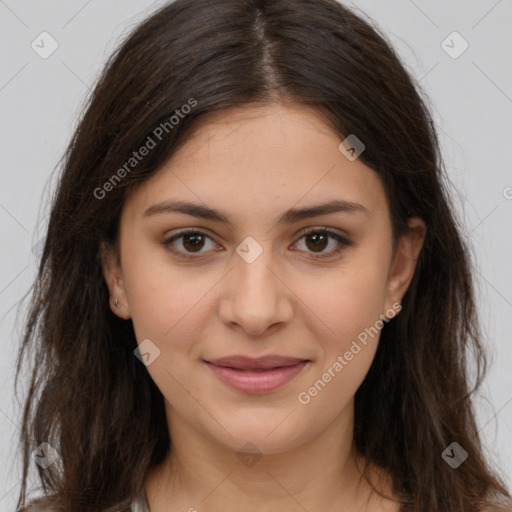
x=193, y=241
x=316, y=239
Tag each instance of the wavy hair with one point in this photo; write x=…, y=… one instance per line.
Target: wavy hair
x=96, y=404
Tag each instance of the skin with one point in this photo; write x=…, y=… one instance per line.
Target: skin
x=254, y=163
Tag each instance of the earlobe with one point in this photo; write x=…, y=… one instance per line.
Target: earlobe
x=404, y=263
x=114, y=280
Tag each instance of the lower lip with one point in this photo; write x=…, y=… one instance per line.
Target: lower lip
x=257, y=381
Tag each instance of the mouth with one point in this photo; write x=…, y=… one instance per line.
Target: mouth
x=256, y=375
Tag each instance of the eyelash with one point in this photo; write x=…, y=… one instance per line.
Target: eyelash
x=343, y=241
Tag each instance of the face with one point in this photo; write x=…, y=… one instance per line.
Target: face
x=264, y=275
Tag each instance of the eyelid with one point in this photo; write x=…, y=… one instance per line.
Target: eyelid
x=342, y=239
x=316, y=229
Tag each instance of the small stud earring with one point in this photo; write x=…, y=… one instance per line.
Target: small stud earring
x=116, y=303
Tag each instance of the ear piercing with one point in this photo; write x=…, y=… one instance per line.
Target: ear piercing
x=392, y=312
x=116, y=303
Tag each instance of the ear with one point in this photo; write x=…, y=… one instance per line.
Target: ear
x=404, y=261
x=114, y=279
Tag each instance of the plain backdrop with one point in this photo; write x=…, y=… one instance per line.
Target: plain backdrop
x=466, y=75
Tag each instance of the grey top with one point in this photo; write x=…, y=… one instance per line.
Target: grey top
x=140, y=503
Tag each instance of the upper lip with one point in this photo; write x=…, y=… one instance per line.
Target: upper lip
x=260, y=363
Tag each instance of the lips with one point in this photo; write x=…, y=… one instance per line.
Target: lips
x=261, y=363
x=259, y=375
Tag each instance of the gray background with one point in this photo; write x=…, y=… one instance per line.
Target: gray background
x=471, y=99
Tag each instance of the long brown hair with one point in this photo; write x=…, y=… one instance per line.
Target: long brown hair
x=95, y=403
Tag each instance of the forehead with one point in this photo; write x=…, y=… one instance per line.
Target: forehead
x=261, y=160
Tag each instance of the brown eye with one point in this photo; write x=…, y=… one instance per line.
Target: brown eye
x=316, y=241
x=192, y=243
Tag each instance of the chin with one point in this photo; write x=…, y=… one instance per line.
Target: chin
x=262, y=437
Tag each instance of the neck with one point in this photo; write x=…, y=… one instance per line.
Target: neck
x=203, y=474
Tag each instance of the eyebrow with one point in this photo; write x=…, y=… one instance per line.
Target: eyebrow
x=289, y=217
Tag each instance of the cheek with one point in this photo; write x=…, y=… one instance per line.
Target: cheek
x=350, y=305
x=168, y=305
x=165, y=300
x=345, y=301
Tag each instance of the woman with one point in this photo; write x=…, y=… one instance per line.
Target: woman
x=253, y=292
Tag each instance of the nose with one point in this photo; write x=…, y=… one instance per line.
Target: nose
x=255, y=296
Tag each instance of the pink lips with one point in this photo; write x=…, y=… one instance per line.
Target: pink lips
x=256, y=375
